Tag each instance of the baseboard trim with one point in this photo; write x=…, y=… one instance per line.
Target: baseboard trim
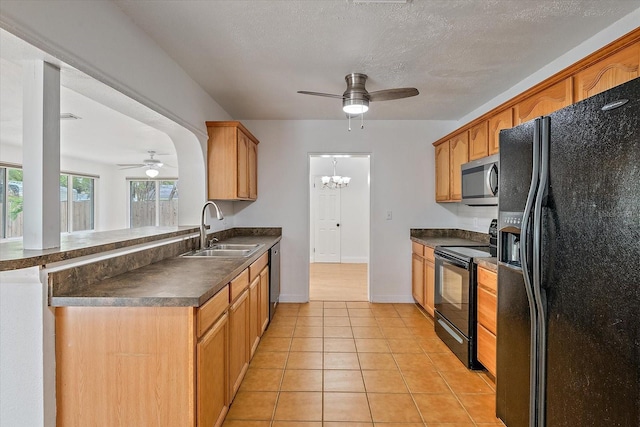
x=401, y=299
x=284, y=298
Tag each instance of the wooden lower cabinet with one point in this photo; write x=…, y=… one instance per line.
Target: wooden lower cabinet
x=239, y=333
x=487, y=349
x=212, y=374
x=423, y=276
x=487, y=329
x=430, y=289
x=264, y=299
x=255, y=322
x=125, y=366
x=160, y=366
x=417, y=279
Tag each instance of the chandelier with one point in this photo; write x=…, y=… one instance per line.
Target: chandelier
x=335, y=181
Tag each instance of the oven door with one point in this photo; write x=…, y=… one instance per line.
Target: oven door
x=452, y=296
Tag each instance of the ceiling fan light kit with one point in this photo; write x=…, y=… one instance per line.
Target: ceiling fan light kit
x=152, y=172
x=355, y=100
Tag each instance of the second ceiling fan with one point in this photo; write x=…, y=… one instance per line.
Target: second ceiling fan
x=355, y=100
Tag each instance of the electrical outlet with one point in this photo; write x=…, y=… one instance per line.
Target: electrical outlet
x=389, y=215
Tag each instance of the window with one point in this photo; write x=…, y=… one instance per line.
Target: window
x=80, y=210
x=11, y=201
x=153, y=202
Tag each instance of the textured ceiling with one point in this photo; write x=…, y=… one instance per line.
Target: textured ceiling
x=252, y=56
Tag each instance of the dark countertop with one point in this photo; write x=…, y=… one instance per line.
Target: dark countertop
x=173, y=282
x=433, y=237
x=488, y=263
x=13, y=256
x=432, y=242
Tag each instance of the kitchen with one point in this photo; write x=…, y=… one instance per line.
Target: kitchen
x=273, y=203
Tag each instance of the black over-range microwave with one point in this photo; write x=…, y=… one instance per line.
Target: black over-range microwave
x=480, y=181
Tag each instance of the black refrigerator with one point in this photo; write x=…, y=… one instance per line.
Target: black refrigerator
x=568, y=342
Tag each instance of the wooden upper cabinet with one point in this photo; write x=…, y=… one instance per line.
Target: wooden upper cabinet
x=232, y=154
x=253, y=171
x=442, y=172
x=459, y=154
x=545, y=102
x=502, y=120
x=607, y=73
x=479, y=141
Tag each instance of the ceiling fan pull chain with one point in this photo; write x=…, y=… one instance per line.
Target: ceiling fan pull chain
x=349, y=116
x=362, y=121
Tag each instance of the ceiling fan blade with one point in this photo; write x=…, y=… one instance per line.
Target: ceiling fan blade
x=130, y=166
x=389, y=94
x=328, y=95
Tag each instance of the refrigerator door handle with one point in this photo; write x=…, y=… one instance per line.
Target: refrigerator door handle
x=538, y=292
x=524, y=260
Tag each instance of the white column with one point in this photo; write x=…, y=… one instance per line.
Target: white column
x=41, y=155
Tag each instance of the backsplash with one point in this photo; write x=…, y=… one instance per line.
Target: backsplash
x=476, y=218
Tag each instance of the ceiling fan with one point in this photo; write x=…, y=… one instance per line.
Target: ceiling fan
x=355, y=100
x=152, y=165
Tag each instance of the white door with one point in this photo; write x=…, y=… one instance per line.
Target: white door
x=326, y=223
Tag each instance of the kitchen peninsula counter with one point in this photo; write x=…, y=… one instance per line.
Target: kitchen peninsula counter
x=13, y=256
x=172, y=282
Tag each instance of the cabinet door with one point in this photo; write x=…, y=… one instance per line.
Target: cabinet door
x=479, y=141
x=243, y=165
x=545, y=102
x=487, y=349
x=502, y=120
x=264, y=299
x=607, y=73
x=212, y=378
x=253, y=170
x=238, y=342
x=459, y=155
x=417, y=278
x=442, y=172
x=430, y=289
x=487, y=309
x=255, y=323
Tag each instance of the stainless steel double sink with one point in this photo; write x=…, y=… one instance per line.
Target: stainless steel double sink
x=225, y=250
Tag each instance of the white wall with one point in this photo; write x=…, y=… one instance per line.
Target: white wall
x=402, y=177
x=354, y=205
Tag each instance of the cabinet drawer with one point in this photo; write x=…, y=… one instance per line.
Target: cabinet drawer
x=417, y=248
x=239, y=284
x=256, y=267
x=212, y=310
x=487, y=349
x=487, y=309
x=428, y=254
x=488, y=279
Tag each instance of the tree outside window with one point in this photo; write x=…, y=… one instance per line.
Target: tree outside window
x=80, y=210
x=153, y=202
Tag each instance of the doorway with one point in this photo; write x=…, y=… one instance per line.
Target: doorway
x=339, y=227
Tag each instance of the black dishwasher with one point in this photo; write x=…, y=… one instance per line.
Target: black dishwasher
x=274, y=278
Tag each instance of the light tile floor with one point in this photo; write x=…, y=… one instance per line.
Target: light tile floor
x=356, y=364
